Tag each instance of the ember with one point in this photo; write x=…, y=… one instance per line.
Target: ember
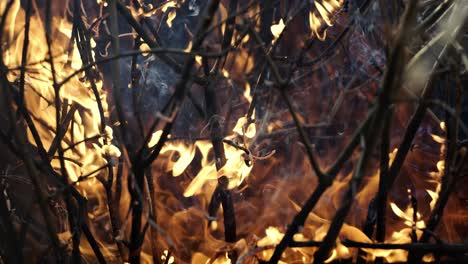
x=207, y=131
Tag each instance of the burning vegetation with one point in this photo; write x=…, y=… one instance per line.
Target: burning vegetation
x=204, y=131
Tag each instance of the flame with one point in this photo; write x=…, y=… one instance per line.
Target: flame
x=88, y=151
x=235, y=169
x=246, y=93
x=164, y=257
x=168, y=4
x=315, y=25
x=145, y=49
x=277, y=29
x=101, y=2
x=241, y=130
x=83, y=158
x=407, y=215
x=272, y=237
x=148, y=10
x=170, y=17
x=440, y=165
x=323, y=12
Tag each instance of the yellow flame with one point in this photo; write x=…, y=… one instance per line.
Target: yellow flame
x=440, y=166
x=171, y=259
x=277, y=29
x=168, y=4
x=272, y=237
x=39, y=93
x=434, y=197
x=443, y=126
x=235, y=169
x=170, y=17
x=324, y=12
x=101, y=2
x=246, y=93
x=145, y=49
x=315, y=24
x=240, y=128
x=407, y=215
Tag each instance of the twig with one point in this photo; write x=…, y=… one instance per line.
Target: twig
x=282, y=84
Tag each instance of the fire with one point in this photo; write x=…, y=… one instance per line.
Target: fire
x=168, y=4
x=170, y=17
x=236, y=168
x=277, y=29
x=407, y=215
x=440, y=165
x=267, y=171
x=76, y=98
x=322, y=15
x=273, y=237
x=165, y=256
x=87, y=146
